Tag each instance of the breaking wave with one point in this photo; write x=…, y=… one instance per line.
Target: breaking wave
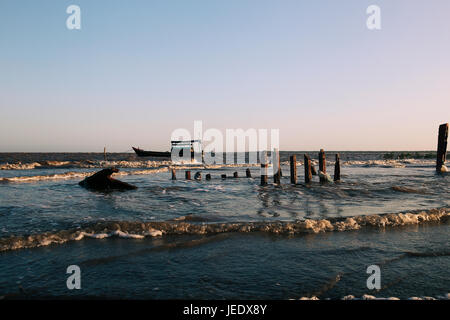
x=73, y=175
x=140, y=230
x=370, y=297
x=151, y=170
x=84, y=164
x=92, y=164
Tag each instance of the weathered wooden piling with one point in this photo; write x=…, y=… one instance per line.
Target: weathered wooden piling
x=224, y=176
x=276, y=167
x=442, y=147
x=322, y=164
x=293, y=161
x=198, y=176
x=235, y=175
x=208, y=177
x=337, y=168
x=188, y=175
x=174, y=175
x=307, y=165
x=104, y=153
x=248, y=174
x=264, y=166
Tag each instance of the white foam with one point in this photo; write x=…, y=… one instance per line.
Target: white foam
x=371, y=297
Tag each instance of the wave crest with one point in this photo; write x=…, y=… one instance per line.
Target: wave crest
x=140, y=230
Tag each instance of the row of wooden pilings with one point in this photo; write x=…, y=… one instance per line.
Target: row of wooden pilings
x=309, y=170
x=198, y=175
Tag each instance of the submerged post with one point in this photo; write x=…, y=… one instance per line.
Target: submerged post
x=248, y=174
x=442, y=147
x=307, y=164
x=188, y=175
x=224, y=176
x=208, y=176
x=276, y=166
x=174, y=175
x=322, y=164
x=235, y=175
x=264, y=168
x=293, y=161
x=337, y=168
x=198, y=176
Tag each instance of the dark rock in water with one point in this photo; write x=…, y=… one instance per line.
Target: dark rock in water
x=102, y=181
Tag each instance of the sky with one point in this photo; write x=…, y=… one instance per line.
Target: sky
x=137, y=70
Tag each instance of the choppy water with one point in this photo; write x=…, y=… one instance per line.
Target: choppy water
x=222, y=238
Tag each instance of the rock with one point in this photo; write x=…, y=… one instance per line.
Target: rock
x=102, y=181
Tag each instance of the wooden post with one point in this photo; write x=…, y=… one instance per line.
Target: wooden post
x=174, y=175
x=198, y=176
x=322, y=164
x=208, y=177
x=248, y=173
x=337, y=168
x=442, y=146
x=307, y=164
x=235, y=175
x=188, y=175
x=293, y=169
x=104, y=153
x=264, y=169
x=224, y=176
x=276, y=167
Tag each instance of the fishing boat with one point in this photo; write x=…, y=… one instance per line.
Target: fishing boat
x=144, y=153
x=179, y=145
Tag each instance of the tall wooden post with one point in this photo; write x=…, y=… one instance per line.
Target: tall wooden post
x=264, y=168
x=337, y=168
x=322, y=164
x=307, y=164
x=248, y=174
x=442, y=146
x=276, y=166
x=174, y=175
x=188, y=175
x=293, y=161
x=104, y=153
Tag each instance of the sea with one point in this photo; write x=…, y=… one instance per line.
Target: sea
x=224, y=238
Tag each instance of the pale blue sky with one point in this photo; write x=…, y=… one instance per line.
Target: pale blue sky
x=139, y=69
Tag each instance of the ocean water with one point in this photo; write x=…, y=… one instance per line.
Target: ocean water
x=223, y=239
